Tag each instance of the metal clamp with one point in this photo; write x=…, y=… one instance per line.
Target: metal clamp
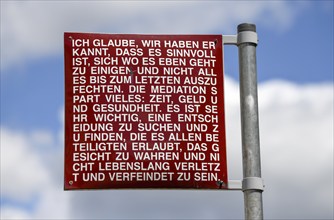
x=247, y=37
x=252, y=183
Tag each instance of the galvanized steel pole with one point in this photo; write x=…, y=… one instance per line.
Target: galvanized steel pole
x=252, y=185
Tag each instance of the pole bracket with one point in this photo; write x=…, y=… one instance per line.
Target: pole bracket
x=240, y=38
x=252, y=183
x=234, y=185
x=230, y=39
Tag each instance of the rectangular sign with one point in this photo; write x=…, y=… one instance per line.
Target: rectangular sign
x=144, y=111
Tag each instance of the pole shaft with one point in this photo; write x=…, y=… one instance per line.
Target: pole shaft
x=250, y=122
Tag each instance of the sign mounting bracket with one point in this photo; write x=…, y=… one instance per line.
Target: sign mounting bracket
x=230, y=39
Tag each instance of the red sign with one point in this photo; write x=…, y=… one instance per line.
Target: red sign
x=144, y=111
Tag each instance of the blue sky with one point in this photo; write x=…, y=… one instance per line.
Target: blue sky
x=295, y=72
x=302, y=54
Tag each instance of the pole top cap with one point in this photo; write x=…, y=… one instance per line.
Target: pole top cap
x=246, y=27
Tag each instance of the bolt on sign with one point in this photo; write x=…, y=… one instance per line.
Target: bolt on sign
x=144, y=111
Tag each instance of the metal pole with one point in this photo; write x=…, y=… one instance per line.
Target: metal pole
x=252, y=185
